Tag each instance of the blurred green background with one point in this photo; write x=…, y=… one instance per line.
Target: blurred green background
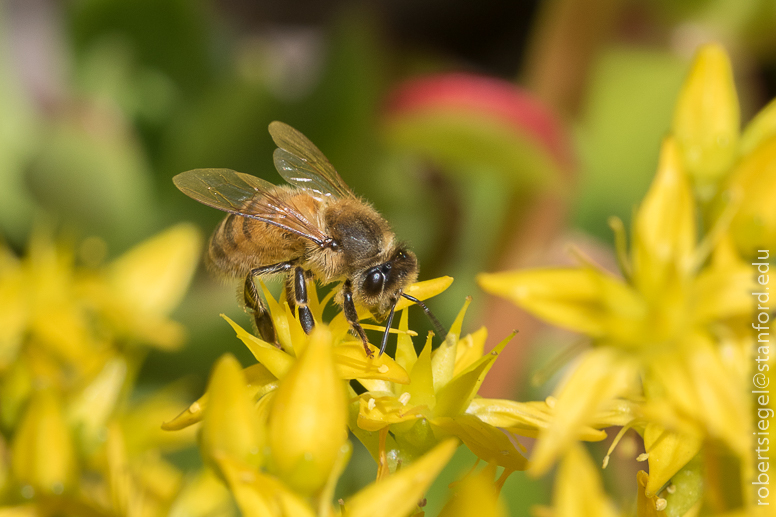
x=549, y=124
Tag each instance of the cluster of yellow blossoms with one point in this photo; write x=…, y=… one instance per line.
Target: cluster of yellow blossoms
x=671, y=337
x=671, y=357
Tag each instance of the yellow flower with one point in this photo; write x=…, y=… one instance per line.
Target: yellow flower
x=60, y=314
x=441, y=400
x=655, y=323
x=78, y=444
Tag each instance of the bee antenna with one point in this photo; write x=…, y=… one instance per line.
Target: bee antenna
x=388, y=328
x=434, y=321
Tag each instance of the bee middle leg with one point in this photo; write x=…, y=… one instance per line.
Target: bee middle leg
x=351, y=315
x=300, y=299
x=253, y=301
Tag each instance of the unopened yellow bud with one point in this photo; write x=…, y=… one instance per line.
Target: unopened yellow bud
x=231, y=426
x=707, y=118
x=43, y=454
x=308, y=419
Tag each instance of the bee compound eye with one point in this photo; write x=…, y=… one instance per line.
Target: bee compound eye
x=373, y=283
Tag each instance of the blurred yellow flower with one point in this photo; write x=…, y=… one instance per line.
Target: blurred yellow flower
x=79, y=445
x=655, y=323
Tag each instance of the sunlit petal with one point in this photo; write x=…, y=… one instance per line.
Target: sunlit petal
x=489, y=443
x=401, y=491
x=600, y=376
x=578, y=489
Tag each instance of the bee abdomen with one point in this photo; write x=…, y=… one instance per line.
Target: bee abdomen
x=225, y=251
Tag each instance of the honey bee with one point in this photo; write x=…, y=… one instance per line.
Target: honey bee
x=315, y=227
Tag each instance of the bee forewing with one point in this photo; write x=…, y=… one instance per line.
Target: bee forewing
x=223, y=189
x=303, y=165
x=247, y=196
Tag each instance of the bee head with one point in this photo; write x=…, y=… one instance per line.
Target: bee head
x=379, y=286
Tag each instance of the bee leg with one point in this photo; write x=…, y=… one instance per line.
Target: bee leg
x=261, y=316
x=253, y=301
x=300, y=298
x=352, y=316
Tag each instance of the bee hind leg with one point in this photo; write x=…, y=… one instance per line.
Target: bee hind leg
x=253, y=301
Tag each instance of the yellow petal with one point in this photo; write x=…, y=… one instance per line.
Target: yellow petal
x=720, y=293
x=599, y=376
x=578, y=489
x=43, y=455
x=371, y=439
x=443, y=358
x=327, y=494
x=281, y=320
x=16, y=386
x=664, y=227
x=647, y=506
x=760, y=129
x=231, y=427
x=353, y=363
x=487, y=442
x=754, y=179
x=424, y=290
x=470, y=349
x=90, y=409
x=153, y=276
x=522, y=418
x=274, y=359
x=476, y=495
x=260, y=495
x=400, y=492
x=581, y=299
x=308, y=419
x=405, y=350
x=701, y=386
x=706, y=118
x=140, y=423
x=201, y=496
x=378, y=410
x=456, y=395
x=667, y=453
x=421, y=387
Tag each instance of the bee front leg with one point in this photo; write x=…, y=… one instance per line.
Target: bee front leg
x=300, y=297
x=253, y=301
x=351, y=315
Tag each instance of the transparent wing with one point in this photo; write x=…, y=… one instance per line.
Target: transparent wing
x=304, y=165
x=247, y=196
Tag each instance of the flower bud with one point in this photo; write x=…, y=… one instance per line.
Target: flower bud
x=707, y=118
x=231, y=426
x=308, y=419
